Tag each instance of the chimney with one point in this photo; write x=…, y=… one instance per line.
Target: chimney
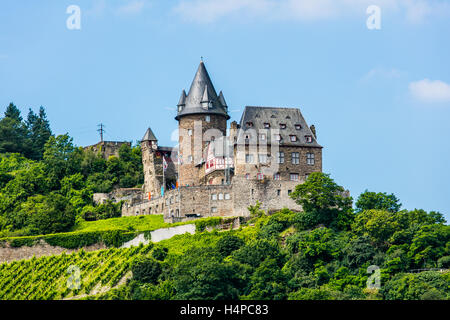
x=313, y=129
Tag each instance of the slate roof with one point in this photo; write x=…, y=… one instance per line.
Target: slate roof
x=149, y=136
x=202, y=97
x=275, y=116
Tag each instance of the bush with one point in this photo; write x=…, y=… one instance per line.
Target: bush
x=160, y=253
x=229, y=243
x=146, y=270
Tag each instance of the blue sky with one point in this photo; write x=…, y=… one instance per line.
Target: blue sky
x=380, y=99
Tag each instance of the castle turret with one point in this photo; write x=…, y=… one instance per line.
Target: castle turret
x=202, y=116
x=152, y=176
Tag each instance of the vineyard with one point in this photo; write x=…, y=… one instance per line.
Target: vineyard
x=67, y=276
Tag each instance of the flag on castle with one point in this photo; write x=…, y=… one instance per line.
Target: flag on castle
x=149, y=196
x=164, y=163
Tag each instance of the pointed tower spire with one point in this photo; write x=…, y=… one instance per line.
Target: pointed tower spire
x=202, y=97
x=149, y=136
x=182, y=100
x=222, y=100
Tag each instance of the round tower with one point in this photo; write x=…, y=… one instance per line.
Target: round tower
x=202, y=116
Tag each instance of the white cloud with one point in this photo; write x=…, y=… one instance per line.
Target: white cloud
x=133, y=7
x=382, y=73
x=430, y=90
x=207, y=11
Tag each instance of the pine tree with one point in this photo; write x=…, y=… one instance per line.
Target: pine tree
x=13, y=132
x=39, y=132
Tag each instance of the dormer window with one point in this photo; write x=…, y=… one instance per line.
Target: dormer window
x=309, y=139
x=180, y=108
x=262, y=137
x=282, y=125
x=288, y=117
x=278, y=137
x=298, y=127
x=249, y=124
x=293, y=138
x=266, y=125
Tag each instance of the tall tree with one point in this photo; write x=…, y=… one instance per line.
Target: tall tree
x=39, y=132
x=13, y=132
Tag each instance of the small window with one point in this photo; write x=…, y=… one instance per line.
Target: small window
x=288, y=117
x=262, y=158
x=280, y=157
x=306, y=176
x=308, y=139
x=248, y=158
x=262, y=137
x=294, y=176
x=189, y=132
x=220, y=196
x=289, y=192
x=208, y=118
x=249, y=124
x=266, y=125
x=227, y=196
x=310, y=158
x=282, y=125
x=189, y=159
x=214, y=196
x=247, y=176
x=260, y=176
x=278, y=137
x=295, y=157
x=278, y=192
x=298, y=127
x=293, y=138
x=180, y=108
x=276, y=176
x=214, y=209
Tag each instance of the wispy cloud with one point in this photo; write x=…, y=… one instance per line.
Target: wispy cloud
x=131, y=8
x=384, y=73
x=430, y=91
x=207, y=11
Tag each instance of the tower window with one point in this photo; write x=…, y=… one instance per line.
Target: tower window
x=214, y=209
x=282, y=125
x=298, y=127
x=278, y=192
x=262, y=137
x=280, y=157
x=310, y=158
x=308, y=139
x=247, y=176
x=249, y=124
x=276, y=176
x=207, y=118
x=189, y=159
x=189, y=132
x=214, y=196
x=260, y=176
x=266, y=125
x=295, y=157
x=248, y=158
x=227, y=196
x=220, y=196
x=293, y=138
x=294, y=176
x=278, y=137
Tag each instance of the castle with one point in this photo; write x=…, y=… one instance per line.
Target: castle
x=213, y=172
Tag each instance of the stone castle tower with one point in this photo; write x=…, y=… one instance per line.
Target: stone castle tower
x=152, y=176
x=200, y=111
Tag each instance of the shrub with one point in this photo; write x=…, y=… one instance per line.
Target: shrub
x=146, y=270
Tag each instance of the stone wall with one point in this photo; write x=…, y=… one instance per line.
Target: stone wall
x=8, y=253
x=107, y=148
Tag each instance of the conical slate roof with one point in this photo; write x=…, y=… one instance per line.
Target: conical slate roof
x=202, y=97
x=149, y=136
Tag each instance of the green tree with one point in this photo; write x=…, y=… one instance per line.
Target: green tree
x=13, y=132
x=146, y=270
x=48, y=214
x=323, y=202
x=381, y=201
x=228, y=244
x=39, y=132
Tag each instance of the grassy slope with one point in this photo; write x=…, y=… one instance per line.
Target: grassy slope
x=46, y=277
x=138, y=223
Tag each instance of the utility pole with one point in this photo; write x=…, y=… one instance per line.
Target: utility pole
x=101, y=130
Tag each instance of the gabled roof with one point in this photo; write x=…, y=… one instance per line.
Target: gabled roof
x=202, y=97
x=274, y=116
x=149, y=136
